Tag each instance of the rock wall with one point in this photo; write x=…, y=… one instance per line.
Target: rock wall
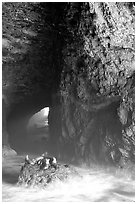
x=6, y=147
x=98, y=81
x=4, y=123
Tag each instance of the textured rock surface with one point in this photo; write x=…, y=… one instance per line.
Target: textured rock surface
x=98, y=80
x=33, y=175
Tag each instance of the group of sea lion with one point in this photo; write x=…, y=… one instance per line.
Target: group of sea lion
x=43, y=161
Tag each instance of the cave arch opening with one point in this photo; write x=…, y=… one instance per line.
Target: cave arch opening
x=18, y=117
x=35, y=125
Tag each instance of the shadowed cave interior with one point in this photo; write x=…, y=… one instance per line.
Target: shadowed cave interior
x=39, y=140
x=91, y=101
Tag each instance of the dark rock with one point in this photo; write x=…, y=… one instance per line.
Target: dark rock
x=31, y=173
x=97, y=86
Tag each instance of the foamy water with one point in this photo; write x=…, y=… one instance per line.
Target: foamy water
x=95, y=185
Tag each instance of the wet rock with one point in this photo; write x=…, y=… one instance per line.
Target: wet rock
x=98, y=81
x=32, y=173
x=7, y=151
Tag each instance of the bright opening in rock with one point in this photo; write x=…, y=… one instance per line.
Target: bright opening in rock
x=39, y=119
x=38, y=128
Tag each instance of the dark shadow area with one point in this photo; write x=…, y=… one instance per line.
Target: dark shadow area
x=10, y=178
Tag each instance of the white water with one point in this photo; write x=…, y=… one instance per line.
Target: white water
x=97, y=184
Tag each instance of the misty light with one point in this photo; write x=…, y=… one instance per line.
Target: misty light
x=40, y=118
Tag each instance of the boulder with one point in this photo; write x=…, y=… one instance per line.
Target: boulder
x=33, y=174
x=8, y=151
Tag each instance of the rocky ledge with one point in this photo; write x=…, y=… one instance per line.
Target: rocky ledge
x=7, y=151
x=43, y=170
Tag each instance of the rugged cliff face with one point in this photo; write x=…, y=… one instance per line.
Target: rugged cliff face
x=97, y=84
x=82, y=54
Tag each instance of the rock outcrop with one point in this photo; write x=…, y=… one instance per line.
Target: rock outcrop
x=8, y=151
x=33, y=174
